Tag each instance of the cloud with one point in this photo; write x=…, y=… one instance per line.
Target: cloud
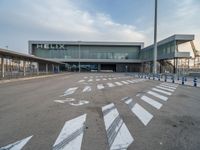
x=64, y=20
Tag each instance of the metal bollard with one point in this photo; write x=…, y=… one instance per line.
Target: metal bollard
x=158, y=77
x=195, y=81
x=183, y=80
x=165, y=78
x=149, y=77
x=153, y=77
x=172, y=79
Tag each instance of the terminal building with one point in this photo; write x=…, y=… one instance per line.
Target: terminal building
x=112, y=56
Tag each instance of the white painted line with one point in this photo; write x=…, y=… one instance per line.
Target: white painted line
x=97, y=79
x=124, y=82
x=164, y=88
x=114, y=78
x=69, y=91
x=169, y=84
x=17, y=145
x=91, y=76
x=64, y=101
x=143, y=115
x=118, y=134
x=161, y=91
x=90, y=80
x=79, y=103
x=164, y=98
x=118, y=83
x=100, y=86
x=81, y=81
x=87, y=89
x=109, y=78
x=85, y=77
x=104, y=79
x=71, y=135
x=129, y=81
x=110, y=85
x=152, y=102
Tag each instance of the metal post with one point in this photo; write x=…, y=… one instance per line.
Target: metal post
x=24, y=68
x=47, y=70
x=2, y=67
x=79, y=52
x=155, y=40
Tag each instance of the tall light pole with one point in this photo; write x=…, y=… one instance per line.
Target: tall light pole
x=155, y=40
x=79, y=55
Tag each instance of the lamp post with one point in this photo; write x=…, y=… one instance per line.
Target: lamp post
x=79, y=53
x=155, y=40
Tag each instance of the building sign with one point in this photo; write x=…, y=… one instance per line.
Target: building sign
x=51, y=46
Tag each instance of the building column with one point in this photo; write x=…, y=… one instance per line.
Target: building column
x=2, y=67
x=47, y=69
x=53, y=68
x=99, y=67
x=24, y=68
x=58, y=68
x=37, y=70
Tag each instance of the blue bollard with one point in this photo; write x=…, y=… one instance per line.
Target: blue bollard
x=195, y=81
x=183, y=80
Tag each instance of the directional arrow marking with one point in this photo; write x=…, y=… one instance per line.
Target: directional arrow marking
x=17, y=145
x=71, y=135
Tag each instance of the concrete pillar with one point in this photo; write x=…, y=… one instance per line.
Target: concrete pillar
x=37, y=70
x=53, y=68
x=99, y=67
x=24, y=68
x=47, y=69
x=2, y=67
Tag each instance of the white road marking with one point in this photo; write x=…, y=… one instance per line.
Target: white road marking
x=152, y=102
x=114, y=78
x=110, y=85
x=85, y=77
x=118, y=134
x=109, y=78
x=97, y=79
x=124, y=82
x=100, y=86
x=118, y=83
x=143, y=115
x=164, y=98
x=90, y=80
x=81, y=81
x=69, y=91
x=79, y=103
x=164, y=88
x=161, y=91
x=71, y=135
x=129, y=81
x=104, y=79
x=64, y=101
x=169, y=84
x=170, y=87
x=17, y=145
x=87, y=89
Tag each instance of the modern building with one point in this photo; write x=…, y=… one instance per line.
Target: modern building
x=111, y=56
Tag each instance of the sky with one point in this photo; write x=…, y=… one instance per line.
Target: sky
x=94, y=20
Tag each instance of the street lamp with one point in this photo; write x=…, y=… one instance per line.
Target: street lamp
x=155, y=40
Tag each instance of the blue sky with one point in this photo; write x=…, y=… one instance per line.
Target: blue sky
x=94, y=20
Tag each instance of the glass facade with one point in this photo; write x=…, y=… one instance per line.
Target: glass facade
x=164, y=51
x=90, y=52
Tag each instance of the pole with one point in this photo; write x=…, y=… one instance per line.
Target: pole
x=155, y=40
x=79, y=52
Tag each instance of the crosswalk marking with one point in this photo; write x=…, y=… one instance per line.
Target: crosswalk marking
x=164, y=98
x=170, y=87
x=143, y=115
x=118, y=134
x=124, y=82
x=71, y=135
x=81, y=81
x=118, y=83
x=129, y=81
x=97, y=79
x=90, y=80
x=161, y=91
x=169, y=84
x=100, y=86
x=104, y=79
x=152, y=102
x=87, y=89
x=17, y=145
x=69, y=91
x=164, y=88
x=110, y=84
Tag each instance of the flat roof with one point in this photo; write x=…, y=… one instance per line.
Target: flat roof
x=179, y=38
x=96, y=43
x=5, y=52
